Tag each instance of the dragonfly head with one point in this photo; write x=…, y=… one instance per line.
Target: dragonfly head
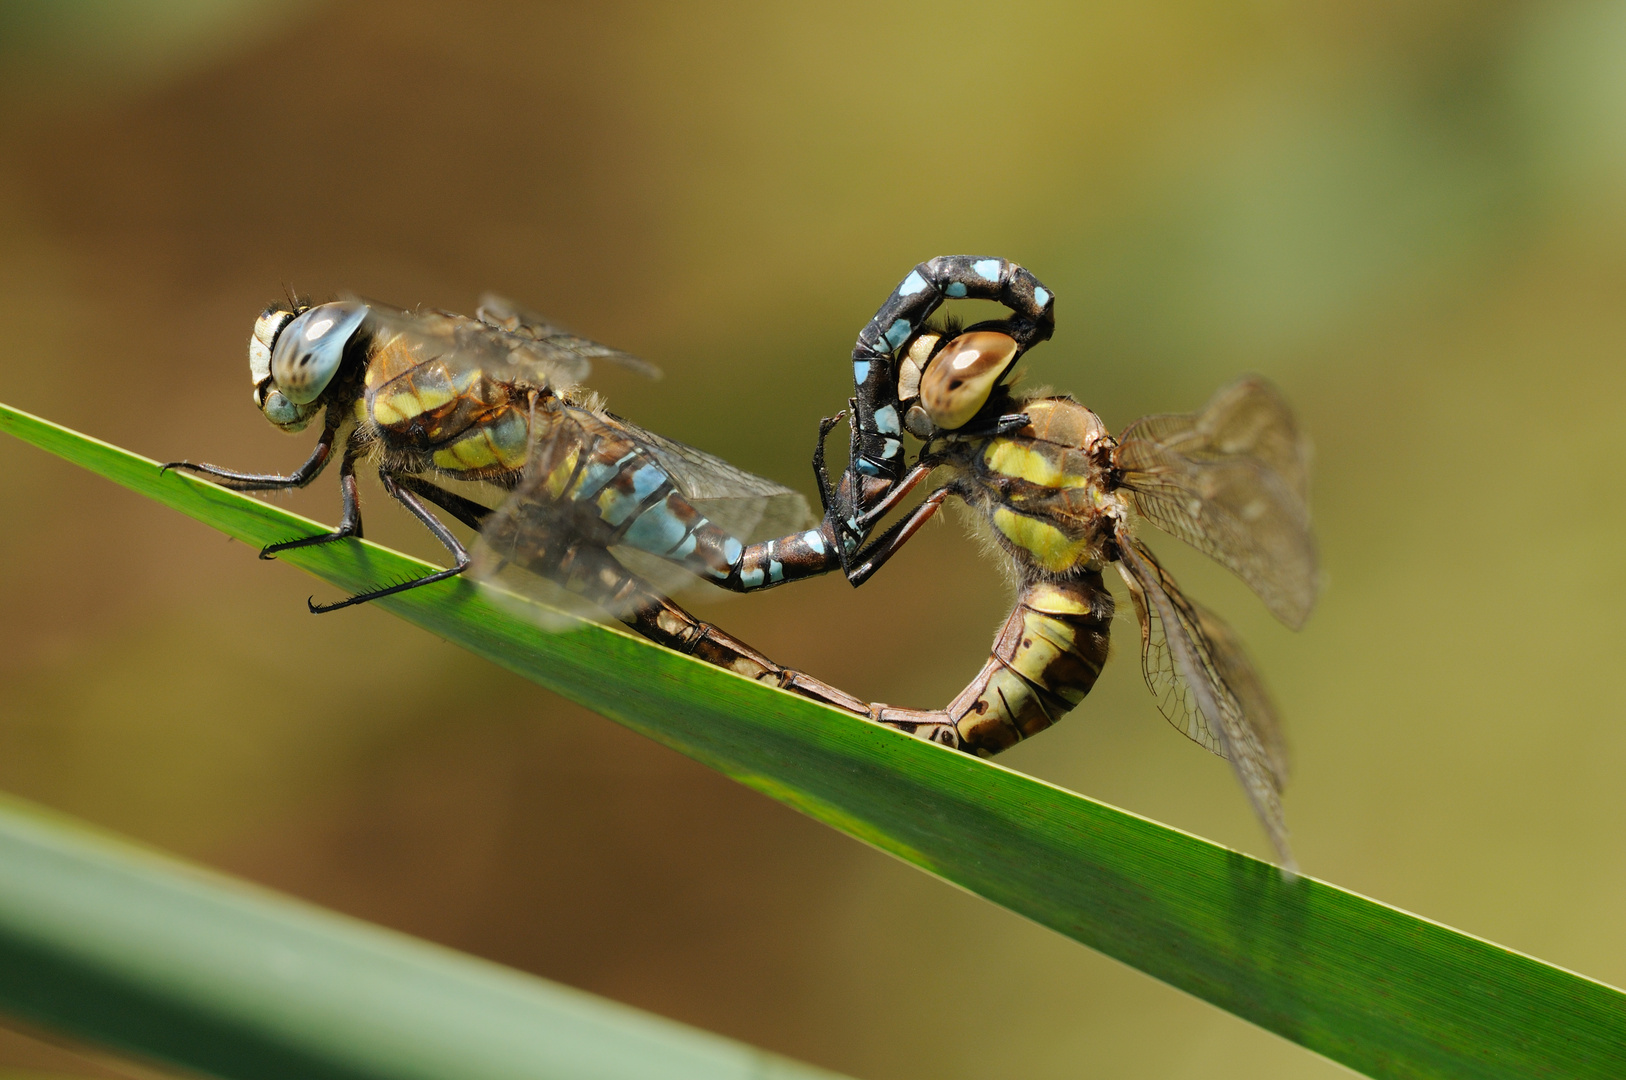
x=294, y=355
x=962, y=375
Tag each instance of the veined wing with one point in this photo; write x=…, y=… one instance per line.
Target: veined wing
x=594, y=484
x=1232, y=481
x=749, y=506
x=1206, y=687
x=462, y=344
x=553, y=341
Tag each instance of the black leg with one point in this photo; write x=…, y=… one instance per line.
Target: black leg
x=240, y=481
x=434, y=525
x=894, y=496
x=872, y=558
x=467, y=511
x=827, y=493
x=1000, y=425
x=349, y=521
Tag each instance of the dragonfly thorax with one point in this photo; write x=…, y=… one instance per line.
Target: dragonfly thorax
x=1043, y=488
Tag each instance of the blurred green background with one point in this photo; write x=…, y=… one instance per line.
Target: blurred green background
x=1412, y=216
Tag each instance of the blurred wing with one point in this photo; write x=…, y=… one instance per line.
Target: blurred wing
x=1232, y=481
x=546, y=570
x=1205, y=686
x=537, y=539
x=463, y=344
x=551, y=342
x=750, y=507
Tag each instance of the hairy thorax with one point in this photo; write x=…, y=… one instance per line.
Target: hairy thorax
x=1046, y=489
x=449, y=420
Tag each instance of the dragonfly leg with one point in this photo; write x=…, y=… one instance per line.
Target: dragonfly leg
x=435, y=526
x=1007, y=424
x=827, y=494
x=467, y=511
x=899, y=492
x=241, y=481
x=349, y=520
x=872, y=558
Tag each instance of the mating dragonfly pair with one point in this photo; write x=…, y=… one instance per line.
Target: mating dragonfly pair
x=589, y=502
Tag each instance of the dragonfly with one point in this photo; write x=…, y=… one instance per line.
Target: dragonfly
x=431, y=398
x=1063, y=499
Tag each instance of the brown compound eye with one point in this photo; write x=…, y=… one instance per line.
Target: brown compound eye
x=963, y=374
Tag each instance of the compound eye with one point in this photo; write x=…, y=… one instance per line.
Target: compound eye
x=963, y=374
x=266, y=329
x=284, y=413
x=308, y=350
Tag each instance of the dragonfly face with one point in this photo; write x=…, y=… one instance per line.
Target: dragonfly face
x=267, y=398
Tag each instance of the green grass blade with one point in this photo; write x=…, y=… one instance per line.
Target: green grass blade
x=1378, y=989
x=139, y=950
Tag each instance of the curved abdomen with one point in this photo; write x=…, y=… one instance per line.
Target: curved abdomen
x=1044, y=661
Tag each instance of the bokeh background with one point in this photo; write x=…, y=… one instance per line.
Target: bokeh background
x=1411, y=215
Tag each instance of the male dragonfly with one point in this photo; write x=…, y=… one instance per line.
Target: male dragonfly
x=1061, y=498
x=431, y=396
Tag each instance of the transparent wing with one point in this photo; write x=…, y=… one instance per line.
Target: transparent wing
x=1233, y=482
x=552, y=341
x=462, y=345
x=541, y=531
x=1206, y=687
x=749, y=506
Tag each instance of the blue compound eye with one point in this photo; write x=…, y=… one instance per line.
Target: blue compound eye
x=307, y=353
x=284, y=413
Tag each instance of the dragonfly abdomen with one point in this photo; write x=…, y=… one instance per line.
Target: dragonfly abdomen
x=1045, y=661
x=631, y=500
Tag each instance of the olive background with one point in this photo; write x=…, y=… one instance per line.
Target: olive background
x=1410, y=215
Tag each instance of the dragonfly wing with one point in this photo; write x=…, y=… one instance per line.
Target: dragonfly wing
x=548, y=569
x=748, y=506
x=552, y=342
x=464, y=345
x=1232, y=481
x=547, y=531
x=1206, y=687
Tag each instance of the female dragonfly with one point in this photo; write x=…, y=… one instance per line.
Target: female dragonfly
x=494, y=399
x=1061, y=498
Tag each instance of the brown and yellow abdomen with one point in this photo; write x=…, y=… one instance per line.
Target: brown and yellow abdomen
x=1045, y=660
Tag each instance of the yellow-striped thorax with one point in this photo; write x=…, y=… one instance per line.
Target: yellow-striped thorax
x=1046, y=489
x=417, y=401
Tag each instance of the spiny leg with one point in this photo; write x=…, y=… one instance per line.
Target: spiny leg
x=827, y=492
x=467, y=511
x=349, y=520
x=435, y=526
x=872, y=558
x=241, y=481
